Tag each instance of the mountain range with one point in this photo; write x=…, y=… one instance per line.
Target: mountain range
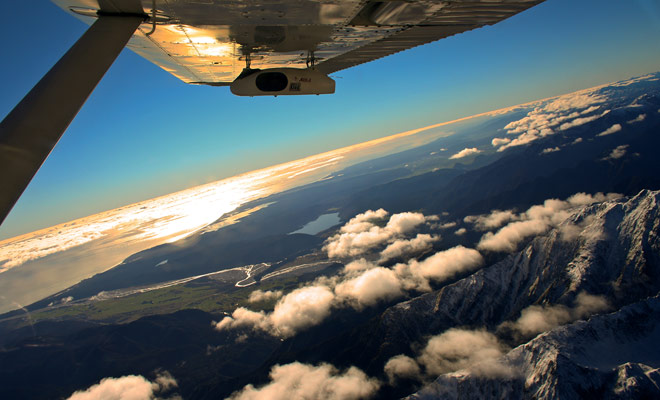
x=516, y=258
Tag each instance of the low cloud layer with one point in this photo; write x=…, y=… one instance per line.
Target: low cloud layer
x=581, y=121
x=439, y=267
x=297, y=381
x=612, y=129
x=260, y=296
x=370, y=287
x=131, y=387
x=364, y=283
x=479, y=351
x=497, y=142
x=458, y=349
x=465, y=152
x=363, y=233
x=402, y=366
x=639, y=118
x=554, y=116
x=536, y=220
x=617, y=153
x=361, y=283
x=298, y=310
x=455, y=349
x=403, y=247
x=550, y=150
x=537, y=319
x=493, y=220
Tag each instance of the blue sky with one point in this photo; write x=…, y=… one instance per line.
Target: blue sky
x=144, y=133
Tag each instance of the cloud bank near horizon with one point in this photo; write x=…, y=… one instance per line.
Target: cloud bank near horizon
x=554, y=116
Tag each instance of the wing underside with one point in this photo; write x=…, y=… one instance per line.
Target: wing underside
x=208, y=41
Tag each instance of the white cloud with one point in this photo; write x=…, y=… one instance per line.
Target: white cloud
x=465, y=152
x=630, y=81
x=438, y=267
x=612, y=129
x=258, y=296
x=583, y=199
x=404, y=222
x=447, y=225
x=576, y=141
x=131, y=387
x=402, y=366
x=361, y=235
x=402, y=247
x=507, y=238
x=537, y=220
x=357, y=266
x=537, y=319
x=581, y=121
x=363, y=222
x=476, y=351
x=617, y=153
x=297, y=381
x=570, y=231
x=639, y=118
x=577, y=100
x=370, y=287
x=527, y=137
x=550, y=150
x=301, y=308
x=298, y=310
x=494, y=219
x=361, y=283
x=458, y=349
x=497, y=142
x=559, y=114
x=242, y=317
x=460, y=232
x=589, y=110
x=587, y=304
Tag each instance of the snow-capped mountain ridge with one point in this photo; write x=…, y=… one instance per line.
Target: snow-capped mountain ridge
x=615, y=254
x=608, y=356
x=610, y=249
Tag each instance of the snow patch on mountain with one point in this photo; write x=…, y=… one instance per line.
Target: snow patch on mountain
x=609, y=356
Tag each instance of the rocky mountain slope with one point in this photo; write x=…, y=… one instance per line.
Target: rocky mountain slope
x=610, y=250
x=610, y=356
x=617, y=254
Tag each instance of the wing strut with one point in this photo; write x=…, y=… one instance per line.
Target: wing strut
x=31, y=130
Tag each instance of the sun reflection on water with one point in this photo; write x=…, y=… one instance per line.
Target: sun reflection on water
x=167, y=218
x=135, y=227
x=55, y=258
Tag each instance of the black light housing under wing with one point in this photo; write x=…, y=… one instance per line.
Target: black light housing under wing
x=282, y=82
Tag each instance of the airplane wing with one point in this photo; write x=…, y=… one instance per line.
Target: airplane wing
x=208, y=41
x=257, y=47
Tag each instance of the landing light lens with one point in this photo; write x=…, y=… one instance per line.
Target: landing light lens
x=272, y=81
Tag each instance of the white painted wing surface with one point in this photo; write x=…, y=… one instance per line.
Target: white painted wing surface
x=207, y=41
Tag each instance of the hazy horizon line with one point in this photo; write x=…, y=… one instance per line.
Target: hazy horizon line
x=341, y=150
